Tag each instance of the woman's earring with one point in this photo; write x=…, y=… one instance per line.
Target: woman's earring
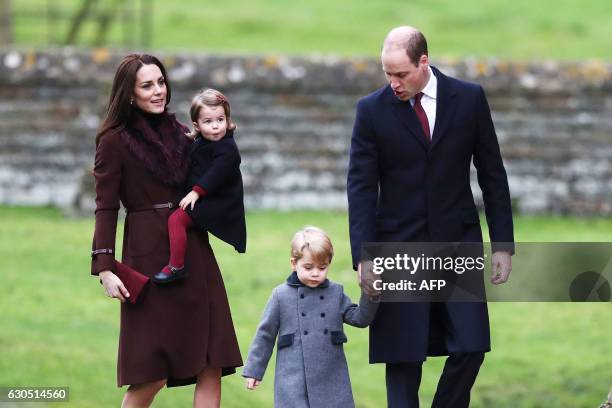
x=131, y=101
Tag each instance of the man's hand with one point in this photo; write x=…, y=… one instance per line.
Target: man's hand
x=252, y=383
x=189, y=199
x=501, y=265
x=113, y=286
x=365, y=276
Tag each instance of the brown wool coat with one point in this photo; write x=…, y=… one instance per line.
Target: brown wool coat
x=176, y=330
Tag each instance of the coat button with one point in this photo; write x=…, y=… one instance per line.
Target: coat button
x=322, y=314
x=303, y=314
x=305, y=332
x=302, y=296
x=325, y=331
x=321, y=297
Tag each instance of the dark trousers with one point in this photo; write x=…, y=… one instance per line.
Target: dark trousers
x=456, y=381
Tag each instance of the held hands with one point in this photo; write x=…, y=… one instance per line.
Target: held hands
x=366, y=277
x=251, y=383
x=189, y=199
x=501, y=265
x=113, y=286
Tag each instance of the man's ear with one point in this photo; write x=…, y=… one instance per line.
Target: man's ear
x=424, y=59
x=195, y=126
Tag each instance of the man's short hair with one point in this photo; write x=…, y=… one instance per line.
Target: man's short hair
x=415, y=45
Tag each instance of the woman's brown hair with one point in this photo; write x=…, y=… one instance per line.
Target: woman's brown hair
x=119, y=109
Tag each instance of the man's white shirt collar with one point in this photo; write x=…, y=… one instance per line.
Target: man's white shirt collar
x=431, y=89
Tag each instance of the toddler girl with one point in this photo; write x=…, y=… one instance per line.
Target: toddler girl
x=215, y=200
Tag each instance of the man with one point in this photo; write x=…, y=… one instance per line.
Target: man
x=409, y=181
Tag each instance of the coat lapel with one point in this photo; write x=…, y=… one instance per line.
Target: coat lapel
x=404, y=112
x=445, y=107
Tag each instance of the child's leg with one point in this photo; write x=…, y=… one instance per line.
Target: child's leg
x=178, y=223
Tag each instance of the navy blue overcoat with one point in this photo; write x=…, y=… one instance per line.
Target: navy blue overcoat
x=404, y=188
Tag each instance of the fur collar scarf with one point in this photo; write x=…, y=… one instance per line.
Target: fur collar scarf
x=159, y=142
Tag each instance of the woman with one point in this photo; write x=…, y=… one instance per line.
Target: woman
x=176, y=334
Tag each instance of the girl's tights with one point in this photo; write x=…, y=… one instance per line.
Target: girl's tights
x=178, y=223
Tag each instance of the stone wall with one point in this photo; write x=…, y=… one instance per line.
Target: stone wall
x=295, y=115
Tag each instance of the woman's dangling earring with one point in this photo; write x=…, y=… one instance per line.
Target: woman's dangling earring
x=131, y=101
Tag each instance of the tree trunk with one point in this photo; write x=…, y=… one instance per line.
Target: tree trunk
x=78, y=20
x=105, y=21
x=6, y=23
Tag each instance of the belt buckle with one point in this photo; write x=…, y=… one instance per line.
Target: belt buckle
x=170, y=204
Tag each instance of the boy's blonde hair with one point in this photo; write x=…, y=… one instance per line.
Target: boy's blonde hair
x=316, y=241
x=210, y=97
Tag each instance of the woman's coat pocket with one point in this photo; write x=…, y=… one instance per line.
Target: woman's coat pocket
x=145, y=233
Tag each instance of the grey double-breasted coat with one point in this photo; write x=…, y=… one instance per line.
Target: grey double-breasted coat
x=311, y=369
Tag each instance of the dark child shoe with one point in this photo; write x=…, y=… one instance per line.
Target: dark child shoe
x=171, y=275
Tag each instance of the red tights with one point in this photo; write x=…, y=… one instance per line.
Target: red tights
x=178, y=223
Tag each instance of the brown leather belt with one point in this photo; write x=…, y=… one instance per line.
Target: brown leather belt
x=151, y=207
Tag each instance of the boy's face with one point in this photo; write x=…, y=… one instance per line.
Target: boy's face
x=211, y=123
x=310, y=272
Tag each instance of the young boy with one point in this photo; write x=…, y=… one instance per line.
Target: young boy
x=307, y=313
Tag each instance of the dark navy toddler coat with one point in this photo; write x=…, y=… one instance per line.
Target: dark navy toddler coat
x=215, y=167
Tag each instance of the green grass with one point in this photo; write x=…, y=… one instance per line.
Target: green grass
x=58, y=329
x=521, y=29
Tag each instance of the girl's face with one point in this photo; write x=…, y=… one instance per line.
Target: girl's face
x=212, y=122
x=310, y=272
x=150, y=89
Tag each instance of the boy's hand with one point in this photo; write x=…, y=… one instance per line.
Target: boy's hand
x=251, y=383
x=189, y=199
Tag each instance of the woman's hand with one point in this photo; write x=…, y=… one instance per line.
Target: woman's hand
x=189, y=199
x=251, y=383
x=113, y=286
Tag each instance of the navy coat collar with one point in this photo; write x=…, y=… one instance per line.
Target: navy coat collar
x=295, y=282
x=444, y=110
x=199, y=140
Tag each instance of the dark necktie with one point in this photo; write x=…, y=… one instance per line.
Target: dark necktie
x=420, y=112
